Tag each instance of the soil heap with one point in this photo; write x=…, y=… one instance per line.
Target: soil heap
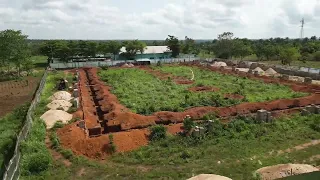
x=61, y=95
x=271, y=72
x=209, y=177
x=219, y=64
x=284, y=170
x=131, y=65
x=126, y=65
x=259, y=70
x=52, y=116
x=59, y=104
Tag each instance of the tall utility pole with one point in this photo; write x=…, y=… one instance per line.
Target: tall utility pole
x=302, y=30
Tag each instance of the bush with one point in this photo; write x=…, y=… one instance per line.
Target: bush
x=158, y=132
x=54, y=140
x=185, y=154
x=112, y=146
x=315, y=125
x=57, y=125
x=36, y=163
x=67, y=153
x=316, y=56
x=188, y=124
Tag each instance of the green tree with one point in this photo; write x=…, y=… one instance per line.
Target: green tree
x=114, y=48
x=316, y=56
x=188, y=45
x=174, y=45
x=288, y=54
x=224, y=46
x=14, y=49
x=133, y=47
x=240, y=49
x=92, y=49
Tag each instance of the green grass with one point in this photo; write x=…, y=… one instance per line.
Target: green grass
x=35, y=156
x=241, y=147
x=10, y=126
x=40, y=62
x=144, y=94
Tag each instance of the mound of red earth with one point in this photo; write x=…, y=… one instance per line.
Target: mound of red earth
x=74, y=138
x=103, y=112
x=203, y=89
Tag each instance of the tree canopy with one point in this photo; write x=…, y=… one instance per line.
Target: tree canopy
x=14, y=50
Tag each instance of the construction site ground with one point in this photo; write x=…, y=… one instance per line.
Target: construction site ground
x=103, y=114
x=237, y=154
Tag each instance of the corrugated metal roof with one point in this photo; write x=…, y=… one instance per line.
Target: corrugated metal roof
x=151, y=50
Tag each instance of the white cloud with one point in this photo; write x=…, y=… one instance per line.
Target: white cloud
x=143, y=19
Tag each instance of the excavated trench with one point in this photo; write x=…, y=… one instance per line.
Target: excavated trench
x=99, y=111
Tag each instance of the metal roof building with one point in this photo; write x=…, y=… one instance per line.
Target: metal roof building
x=152, y=52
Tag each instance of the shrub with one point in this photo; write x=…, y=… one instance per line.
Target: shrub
x=54, y=140
x=36, y=163
x=315, y=125
x=316, y=56
x=104, y=67
x=57, y=125
x=112, y=146
x=67, y=153
x=72, y=110
x=188, y=124
x=186, y=154
x=158, y=132
x=159, y=63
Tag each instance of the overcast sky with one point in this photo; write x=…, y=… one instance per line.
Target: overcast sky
x=155, y=19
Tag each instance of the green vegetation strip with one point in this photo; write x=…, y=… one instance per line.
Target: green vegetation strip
x=235, y=150
x=10, y=126
x=35, y=156
x=145, y=94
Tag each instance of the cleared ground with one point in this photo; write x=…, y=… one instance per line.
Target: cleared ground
x=235, y=150
x=145, y=93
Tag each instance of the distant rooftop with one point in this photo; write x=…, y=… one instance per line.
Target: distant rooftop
x=151, y=50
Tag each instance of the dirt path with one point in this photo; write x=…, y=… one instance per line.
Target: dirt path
x=299, y=147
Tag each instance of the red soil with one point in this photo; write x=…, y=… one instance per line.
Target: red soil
x=127, y=125
x=233, y=96
x=203, y=89
x=15, y=93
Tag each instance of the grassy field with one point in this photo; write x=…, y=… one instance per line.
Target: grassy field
x=235, y=150
x=10, y=126
x=40, y=62
x=144, y=94
x=35, y=155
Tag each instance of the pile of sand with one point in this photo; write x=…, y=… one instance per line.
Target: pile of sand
x=52, y=116
x=271, y=71
x=130, y=65
x=125, y=65
x=259, y=70
x=59, y=104
x=61, y=95
x=284, y=170
x=209, y=177
x=219, y=64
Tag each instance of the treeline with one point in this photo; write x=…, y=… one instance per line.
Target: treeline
x=71, y=49
x=284, y=49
